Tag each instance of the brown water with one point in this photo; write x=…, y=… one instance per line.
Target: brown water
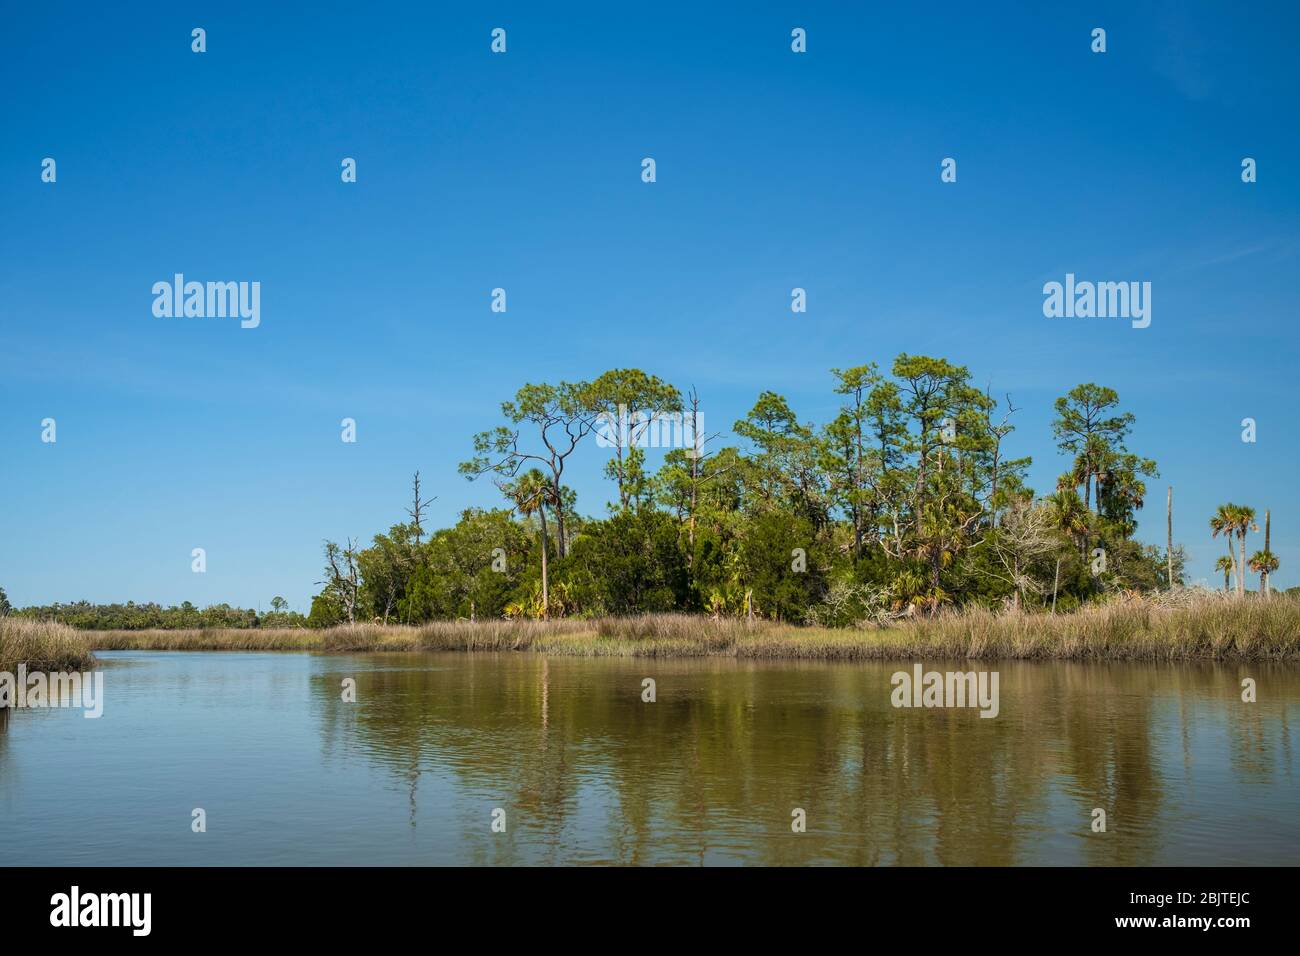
x=586, y=772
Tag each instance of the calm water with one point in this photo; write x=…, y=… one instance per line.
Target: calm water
x=587, y=773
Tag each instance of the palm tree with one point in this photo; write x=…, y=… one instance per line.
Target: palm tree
x=1264, y=563
x=1233, y=519
x=1245, y=521
x=531, y=493
x=1069, y=515
x=1221, y=524
x=1227, y=566
x=1080, y=474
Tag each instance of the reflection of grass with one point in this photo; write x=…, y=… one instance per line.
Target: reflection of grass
x=1195, y=628
x=41, y=645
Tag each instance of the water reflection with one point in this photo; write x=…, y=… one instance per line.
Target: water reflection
x=587, y=773
x=710, y=772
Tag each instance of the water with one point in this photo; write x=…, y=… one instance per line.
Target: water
x=587, y=773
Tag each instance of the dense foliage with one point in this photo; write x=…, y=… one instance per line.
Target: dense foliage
x=908, y=500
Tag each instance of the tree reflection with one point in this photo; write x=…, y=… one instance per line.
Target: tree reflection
x=710, y=772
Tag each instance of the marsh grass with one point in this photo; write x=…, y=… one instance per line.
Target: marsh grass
x=205, y=639
x=42, y=645
x=1178, y=627
x=1123, y=630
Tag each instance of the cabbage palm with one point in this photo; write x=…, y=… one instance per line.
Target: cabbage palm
x=1221, y=524
x=1264, y=563
x=531, y=493
x=1233, y=519
x=1227, y=566
x=1069, y=516
x=1245, y=522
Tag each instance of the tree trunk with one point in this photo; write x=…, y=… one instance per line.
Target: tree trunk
x=1169, y=526
x=1241, y=566
x=619, y=471
x=695, y=479
x=1263, y=578
x=857, y=484
x=559, y=515
x=546, y=589
x=1056, y=583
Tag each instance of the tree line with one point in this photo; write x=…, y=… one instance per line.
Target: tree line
x=86, y=615
x=908, y=500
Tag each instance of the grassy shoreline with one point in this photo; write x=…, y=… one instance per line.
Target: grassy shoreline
x=1167, y=628
x=43, y=646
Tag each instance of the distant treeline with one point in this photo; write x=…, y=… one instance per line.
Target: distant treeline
x=139, y=617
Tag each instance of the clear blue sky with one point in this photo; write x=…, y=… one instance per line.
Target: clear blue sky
x=476, y=170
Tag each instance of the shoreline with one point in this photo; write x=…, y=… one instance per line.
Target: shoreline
x=1201, y=628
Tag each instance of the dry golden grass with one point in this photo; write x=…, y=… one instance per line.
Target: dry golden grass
x=42, y=645
x=1194, y=626
x=1208, y=628
x=206, y=639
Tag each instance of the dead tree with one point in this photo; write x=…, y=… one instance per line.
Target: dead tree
x=342, y=576
x=416, y=511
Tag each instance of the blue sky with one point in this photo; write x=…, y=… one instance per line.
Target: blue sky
x=522, y=171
